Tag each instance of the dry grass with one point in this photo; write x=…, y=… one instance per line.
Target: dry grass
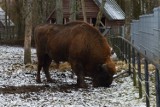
x=65, y=66
x=121, y=65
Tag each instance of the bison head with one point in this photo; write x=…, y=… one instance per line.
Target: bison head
x=104, y=77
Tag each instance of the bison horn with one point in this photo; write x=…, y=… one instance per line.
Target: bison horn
x=104, y=67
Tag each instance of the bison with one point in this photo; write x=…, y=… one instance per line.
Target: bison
x=81, y=45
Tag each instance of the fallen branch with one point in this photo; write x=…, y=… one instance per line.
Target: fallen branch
x=122, y=73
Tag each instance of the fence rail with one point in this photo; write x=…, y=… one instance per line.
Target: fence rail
x=128, y=52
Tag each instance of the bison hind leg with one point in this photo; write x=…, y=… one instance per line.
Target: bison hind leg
x=46, y=64
x=38, y=79
x=80, y=82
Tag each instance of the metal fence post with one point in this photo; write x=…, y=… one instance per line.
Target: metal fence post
x=125, y=51
x=157, y=88
x=133, y=67
x=147, y=82
x=129, y=57
x=139, y=75
x=122, y=48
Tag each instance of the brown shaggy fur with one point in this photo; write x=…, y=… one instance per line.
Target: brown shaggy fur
x=81, y=45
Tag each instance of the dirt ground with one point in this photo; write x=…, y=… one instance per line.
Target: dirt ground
x=34, y=88
x=19, y=88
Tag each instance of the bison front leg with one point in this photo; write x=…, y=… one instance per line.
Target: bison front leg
x=79, y=71
x=80, y=81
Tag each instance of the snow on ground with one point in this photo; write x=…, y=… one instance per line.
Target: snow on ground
x=19, y=89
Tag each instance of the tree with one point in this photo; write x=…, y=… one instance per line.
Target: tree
x=158, y=3
x=127, y=18
x=37, y=11
x=84, y=10
x=43, y=9
x=136, y=11
x=142, y=10
x=73, y=9
x=9, y=23
x=59, y=11
x=100, y=13
x=6, y=19
x=28, y=31
x=19, y=19
x=149, y=5
x=34, y=8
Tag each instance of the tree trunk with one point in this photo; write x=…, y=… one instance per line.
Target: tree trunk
x=28, y=32
x=42, y=9
x=73, y=9
x=142, y=6
x=136, y=11
x=84, y=10
x=100, y=13
x=9, y=22
x=59, y=11
x=37, y=11
x=6, y=20
x=127, y=18
x=158, y=3
x=19, y=19
x=148, y=6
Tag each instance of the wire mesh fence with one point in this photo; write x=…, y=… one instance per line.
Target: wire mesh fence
x=145, y=34
x=135, y=59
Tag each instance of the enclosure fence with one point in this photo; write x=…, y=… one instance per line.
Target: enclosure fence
x=133, y=57
x=144, y=44
x=145, y=34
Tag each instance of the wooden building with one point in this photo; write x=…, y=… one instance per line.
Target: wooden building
x=6, y=25
x=113, y=16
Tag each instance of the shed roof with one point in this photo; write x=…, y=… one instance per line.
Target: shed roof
x=112, y=10
x=2, y=18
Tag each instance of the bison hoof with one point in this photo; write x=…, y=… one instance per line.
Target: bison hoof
x=82, y=85
x=50, y=80
x=38, y=81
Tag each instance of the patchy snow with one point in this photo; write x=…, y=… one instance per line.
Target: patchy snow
x=18, y=87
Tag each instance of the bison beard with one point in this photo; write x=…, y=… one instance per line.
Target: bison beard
x=81, y=45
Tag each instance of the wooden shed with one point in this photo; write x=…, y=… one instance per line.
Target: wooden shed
x=113, y=15
x=3, y=21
